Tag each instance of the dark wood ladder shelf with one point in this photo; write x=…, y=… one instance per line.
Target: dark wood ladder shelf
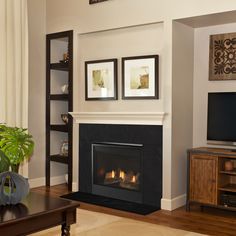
x=59, y=158
x=59, y=47
x=59, y=97
x=59, y=66
x=60, y=128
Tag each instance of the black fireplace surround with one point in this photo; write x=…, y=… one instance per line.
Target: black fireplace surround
x=145, y=179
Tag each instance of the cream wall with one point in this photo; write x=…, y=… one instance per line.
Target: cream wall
x=116, y=14
x=131, y=41
x=201, y=83
x=81, y=16
x=182, y=104
x=37, y=96
x=84, y=18
x=37, y=20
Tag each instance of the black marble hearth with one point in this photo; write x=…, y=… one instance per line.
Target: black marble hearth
x=140, y=182
x=137, y=208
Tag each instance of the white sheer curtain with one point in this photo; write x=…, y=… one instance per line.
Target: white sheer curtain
x=14, y=65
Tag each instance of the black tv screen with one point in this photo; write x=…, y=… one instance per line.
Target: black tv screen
x=221, y=119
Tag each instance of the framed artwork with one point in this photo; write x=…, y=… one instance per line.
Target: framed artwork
x=140, y=77
x=101, y=79
x=222, y=57
x=96, y=1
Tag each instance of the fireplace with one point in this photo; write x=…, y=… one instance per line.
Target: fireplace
x=121, y=161
x=117, y=170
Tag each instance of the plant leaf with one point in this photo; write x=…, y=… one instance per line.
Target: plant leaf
x=4, y=162
x=16, y=143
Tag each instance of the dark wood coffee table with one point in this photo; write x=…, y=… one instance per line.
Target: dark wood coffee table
x=35, y=213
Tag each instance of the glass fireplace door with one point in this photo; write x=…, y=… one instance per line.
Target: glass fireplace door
x=117, y=170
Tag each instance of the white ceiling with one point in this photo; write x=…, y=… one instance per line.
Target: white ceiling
x=209, y=20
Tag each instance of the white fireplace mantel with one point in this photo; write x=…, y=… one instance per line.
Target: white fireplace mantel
x=129, y=118
x=134, y=118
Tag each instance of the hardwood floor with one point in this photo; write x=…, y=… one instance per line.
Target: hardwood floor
x=210, y=221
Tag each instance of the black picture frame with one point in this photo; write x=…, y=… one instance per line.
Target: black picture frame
x=101, y=79
x=140, y=77
x=96, y=1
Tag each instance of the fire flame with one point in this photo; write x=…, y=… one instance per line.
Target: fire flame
x=133, y=179
x=122, y=177
x=122, y=174
x=113, y=174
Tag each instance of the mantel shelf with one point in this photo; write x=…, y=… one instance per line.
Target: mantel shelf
x=142, y=118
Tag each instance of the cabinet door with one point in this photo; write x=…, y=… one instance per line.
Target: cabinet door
x=203, y=179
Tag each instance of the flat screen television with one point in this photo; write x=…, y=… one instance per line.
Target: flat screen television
x=221, y=118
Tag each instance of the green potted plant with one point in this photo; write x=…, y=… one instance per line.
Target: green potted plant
x=16, y=144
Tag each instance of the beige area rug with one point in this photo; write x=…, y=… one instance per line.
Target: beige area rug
x=97, y=224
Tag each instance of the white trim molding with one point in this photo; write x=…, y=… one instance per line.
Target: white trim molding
x=174, y=203
x=75, y=186
x=133, y=118
x=38, y=182
x=129, y=118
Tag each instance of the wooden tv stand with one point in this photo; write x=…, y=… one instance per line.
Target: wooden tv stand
x=209, y=181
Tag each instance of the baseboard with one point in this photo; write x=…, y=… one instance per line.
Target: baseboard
x=75, y=187
x=38, y=182
x=172, y=204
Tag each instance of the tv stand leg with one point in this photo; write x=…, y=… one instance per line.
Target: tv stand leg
x=187, y=206
x=202, y=208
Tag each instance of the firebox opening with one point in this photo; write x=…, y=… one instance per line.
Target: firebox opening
x=117, y=170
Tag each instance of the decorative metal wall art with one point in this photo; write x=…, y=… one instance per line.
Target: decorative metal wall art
x=222, y=57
